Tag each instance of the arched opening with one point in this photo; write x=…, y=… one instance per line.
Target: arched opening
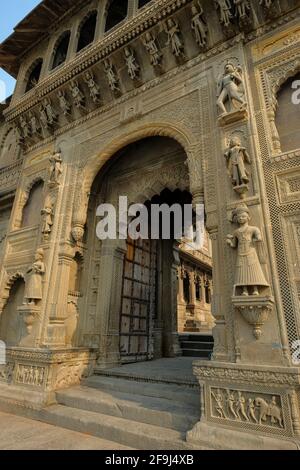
x=288, y=115
x=87, y=31
x=32, y=210
x=133, y=286
x=10, y=320
x=60, y=51
x=116, y=12
x=33, y=76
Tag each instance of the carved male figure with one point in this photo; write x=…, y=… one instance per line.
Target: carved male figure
x=34, y=291
x=240, y=407
x=236, y=157
x=63, y=103
x=132, y=65
x=77, y=94
x=247, y=240
x=151, y=46
x=51, y=115
x=199, y=26
x=173, y=32
x=25, y=127
x=47, y=212
x=34, y=124
x=231, y=403
x=219, y=403
x=230, y=88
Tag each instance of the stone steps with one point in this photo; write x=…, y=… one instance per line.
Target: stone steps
x=195, y=345
x=140, y=408
x=123, y=431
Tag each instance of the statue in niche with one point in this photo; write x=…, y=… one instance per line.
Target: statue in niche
x=34, y=124
x=173, y=31
x=236, y=158
x=77, y=95
x=225, y=12
x=242, y=9
x=153, y=50
x=111, y=75
x=231, y=89
x=63, y=103
x=131, y=62
x=199, y=26
x=93, y=87
x=34, y=288
x=51, y=114
x=55, y=168
x=48, y=215
x=25, y=127
x=247, y=240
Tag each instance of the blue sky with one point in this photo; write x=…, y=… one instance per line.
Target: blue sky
x=12, y=12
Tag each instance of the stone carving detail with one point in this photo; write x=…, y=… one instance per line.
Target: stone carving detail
x=77, y=95
x=247, y=240
x=243, y=11
x=93, y=87
x=174, y=38
x=225, y=11
x=199, y=25
x=247, y=407
x=112, y=77
x=71, y=322
x=34, y=124
x=236, y=158
x=56, y=169
x=133, y=67
x=25, y=127
x=63, y=103
x=70, y=374
x=6, y=372
x=30, y=375
x=152, y=48
x=48, y=215
x=50, y=112
x=231, y=90
x=34, y=287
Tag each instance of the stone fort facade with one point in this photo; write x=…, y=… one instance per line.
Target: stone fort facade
x=169, y=101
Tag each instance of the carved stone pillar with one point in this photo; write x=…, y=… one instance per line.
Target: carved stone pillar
x=56, y=336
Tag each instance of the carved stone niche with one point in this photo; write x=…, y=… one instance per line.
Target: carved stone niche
x=255, y=311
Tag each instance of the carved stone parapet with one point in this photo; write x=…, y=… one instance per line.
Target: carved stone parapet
x=255, y=310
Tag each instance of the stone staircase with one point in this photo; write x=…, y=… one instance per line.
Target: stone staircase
x=135, y=413
x=196, y=345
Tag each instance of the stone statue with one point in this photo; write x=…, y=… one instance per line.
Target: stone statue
x=242, y=8
x=240, y=407
x=236, y=157
x=225, y=12
x=199, y=26
x=131, y=62
x=43, y=117
x=48, y=214
x=231, y=403
x=34, y=124
x=93, y=87
x=231, y=88
x=63, y=103
x=112, y=78
x=219, y=403
x=173, y=31
x=251, y=410
x=247, y=240
x=55, y=167
x=153, y=50
x=51, y=114
x=77, y=94
x=34, y=288
x=25, y=127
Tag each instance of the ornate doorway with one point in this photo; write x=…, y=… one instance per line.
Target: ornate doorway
x=139, y=300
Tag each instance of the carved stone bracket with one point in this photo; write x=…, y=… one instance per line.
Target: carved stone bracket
x=255, y=310
x=239, y=115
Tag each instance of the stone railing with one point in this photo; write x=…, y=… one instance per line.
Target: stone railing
x=9, y=176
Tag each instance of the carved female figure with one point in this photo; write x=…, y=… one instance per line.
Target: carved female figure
x=199, y=26
x=236, y=157
x=34, y=291
x=249, y=273
x=172, y=30
x=230, y=88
